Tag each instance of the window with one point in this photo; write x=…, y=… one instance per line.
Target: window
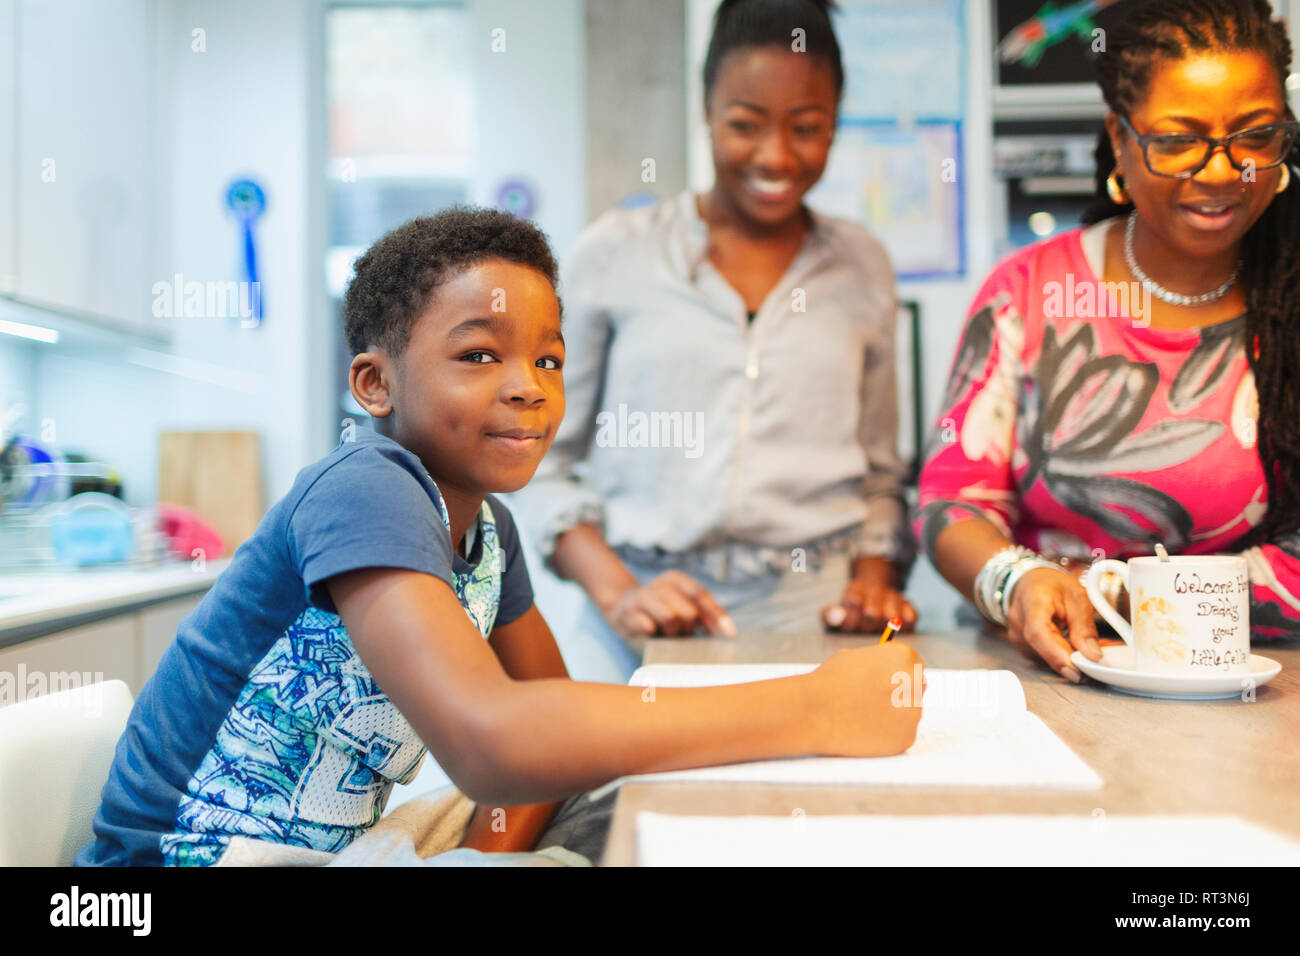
x=400, y=106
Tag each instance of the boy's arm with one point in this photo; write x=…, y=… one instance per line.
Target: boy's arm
x=527, y=650
x=514, y=742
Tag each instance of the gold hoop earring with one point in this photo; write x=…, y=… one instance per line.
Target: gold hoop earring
x=1115, y=191
x=1286, y=179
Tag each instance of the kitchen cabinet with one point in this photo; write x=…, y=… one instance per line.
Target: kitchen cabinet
x=8, y=228
x=73, y=658
x=85, y=161
x=126, y=647
x=155, y=629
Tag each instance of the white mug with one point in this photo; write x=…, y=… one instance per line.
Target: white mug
x=1191, y=613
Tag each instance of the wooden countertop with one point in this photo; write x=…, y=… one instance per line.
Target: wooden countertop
x=1156, y=756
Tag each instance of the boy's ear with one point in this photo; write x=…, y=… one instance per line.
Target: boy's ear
x=368, y=379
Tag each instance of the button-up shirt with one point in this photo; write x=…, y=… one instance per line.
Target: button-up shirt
x=690, y=429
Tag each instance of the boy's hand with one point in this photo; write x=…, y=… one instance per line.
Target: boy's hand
x=869, y=701
x=673, y=603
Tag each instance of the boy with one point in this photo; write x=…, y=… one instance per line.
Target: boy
x=348, y=634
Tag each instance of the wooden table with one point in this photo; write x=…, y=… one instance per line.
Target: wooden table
x=1155, y=756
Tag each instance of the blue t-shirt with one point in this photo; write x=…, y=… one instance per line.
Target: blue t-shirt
x=261, y=720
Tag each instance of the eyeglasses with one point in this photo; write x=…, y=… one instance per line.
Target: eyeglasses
x=1183, y=155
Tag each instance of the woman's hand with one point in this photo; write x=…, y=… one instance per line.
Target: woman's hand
x=673, y=603
x=870, y=599
x=867, y=606
x=1075, y=566
x=1049, y=616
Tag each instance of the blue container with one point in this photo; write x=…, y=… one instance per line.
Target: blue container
x=90, y=533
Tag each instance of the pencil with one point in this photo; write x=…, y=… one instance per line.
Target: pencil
x=893, y=625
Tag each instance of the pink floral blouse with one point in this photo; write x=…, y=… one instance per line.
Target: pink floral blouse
x=1078, y=431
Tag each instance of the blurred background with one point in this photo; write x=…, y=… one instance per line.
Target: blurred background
x=185, y=183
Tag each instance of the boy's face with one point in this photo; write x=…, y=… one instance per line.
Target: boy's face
x=478, y=392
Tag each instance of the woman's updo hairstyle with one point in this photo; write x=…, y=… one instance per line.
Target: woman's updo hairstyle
x=749, y=23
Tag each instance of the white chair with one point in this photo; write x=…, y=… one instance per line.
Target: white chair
x=55, y=753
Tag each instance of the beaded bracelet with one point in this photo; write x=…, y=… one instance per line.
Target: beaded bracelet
x=992, y=575
x=1022, y=567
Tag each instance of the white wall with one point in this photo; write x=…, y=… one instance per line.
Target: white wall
x=17, y=360
x=241, y=109
x=532, y=108
x=944, y=302
x=238, y=108
x=250, y=104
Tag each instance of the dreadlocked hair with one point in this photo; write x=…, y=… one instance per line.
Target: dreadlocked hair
x=1270, y=272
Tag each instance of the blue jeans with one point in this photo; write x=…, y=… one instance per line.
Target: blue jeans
x=786, y=601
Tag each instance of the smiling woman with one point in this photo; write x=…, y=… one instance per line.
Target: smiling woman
x=771, y=111
x=1080, y=433
x=1200, y=158
x=766, y=328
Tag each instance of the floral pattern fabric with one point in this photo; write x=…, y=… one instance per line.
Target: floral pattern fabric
x=1088, y=434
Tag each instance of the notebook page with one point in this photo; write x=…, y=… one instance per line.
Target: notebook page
x=1015, y=752
x=972, y=735
x=711, y=675
x=973, y=840
x=982, y=691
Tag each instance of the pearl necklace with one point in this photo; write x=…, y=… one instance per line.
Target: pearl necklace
x=1159, y=291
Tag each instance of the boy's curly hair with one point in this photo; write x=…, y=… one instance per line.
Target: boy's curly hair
x=395, y=280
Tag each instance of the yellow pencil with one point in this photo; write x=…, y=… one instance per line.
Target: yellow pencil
x=893, y=625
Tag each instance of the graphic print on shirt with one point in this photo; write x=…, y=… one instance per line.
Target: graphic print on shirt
x=1076, y=421
x=996, y=324
x=1203, y=372
x=1079, y=426
x=1102, y=464
x=479, y=591
x=309, y=752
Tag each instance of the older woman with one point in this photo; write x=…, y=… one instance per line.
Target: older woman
x=1077, y=424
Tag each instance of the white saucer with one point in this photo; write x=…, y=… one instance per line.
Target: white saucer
x=1116, y=668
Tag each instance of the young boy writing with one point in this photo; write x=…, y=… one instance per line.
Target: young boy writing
x=348, y=633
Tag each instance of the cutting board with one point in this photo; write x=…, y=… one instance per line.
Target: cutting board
x=218, y=475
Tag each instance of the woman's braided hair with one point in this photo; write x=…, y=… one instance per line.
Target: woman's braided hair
x=1145, y=34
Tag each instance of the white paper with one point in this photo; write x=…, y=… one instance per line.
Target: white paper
x=973, y=840
x=981, y=691
x=974, y=732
